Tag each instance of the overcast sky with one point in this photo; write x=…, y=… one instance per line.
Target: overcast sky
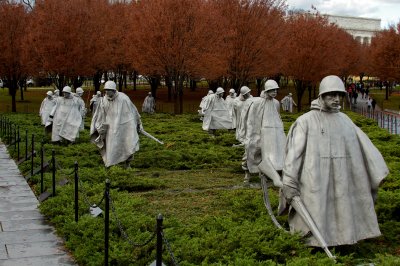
x=387, y=10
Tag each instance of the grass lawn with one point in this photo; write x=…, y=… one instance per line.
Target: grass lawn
x=196, y=183
x=393, y=103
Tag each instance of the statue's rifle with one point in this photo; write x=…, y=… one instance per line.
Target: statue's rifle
x=267, y=169
x=150, y=136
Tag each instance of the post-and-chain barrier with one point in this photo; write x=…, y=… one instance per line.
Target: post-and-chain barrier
x=122, y=230
x=169, y=249
x=8, y=130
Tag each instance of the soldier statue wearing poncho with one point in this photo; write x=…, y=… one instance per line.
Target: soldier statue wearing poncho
x=216, y=113
x=46, y=107
x=265, y=137
x=149, y=104
x=65, y=117
x=115, y=127
x=334, y=168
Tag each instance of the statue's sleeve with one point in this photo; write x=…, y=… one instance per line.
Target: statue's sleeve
x=296, y=144
x=53, y=111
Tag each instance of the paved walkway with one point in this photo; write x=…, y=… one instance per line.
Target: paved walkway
x=25, y=236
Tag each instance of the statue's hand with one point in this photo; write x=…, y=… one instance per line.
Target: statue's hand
x=139, y=128
x=290, y=192
x=102, y=131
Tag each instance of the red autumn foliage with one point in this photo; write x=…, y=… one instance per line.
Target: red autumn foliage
x=311, y=51
x=13, y=28
x=66, y=38
x=252, y=42
x=384, y=54
x=172, y=38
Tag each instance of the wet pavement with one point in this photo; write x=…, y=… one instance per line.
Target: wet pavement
x=26, y=238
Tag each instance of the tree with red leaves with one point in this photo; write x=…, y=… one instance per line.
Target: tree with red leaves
x=173, y=39
x=252, y=41
x=384, y=55
x=13, y=28
x=311, y=51
x=66, y=38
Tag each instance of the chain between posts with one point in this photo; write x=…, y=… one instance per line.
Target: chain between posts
x=124, y=234
x=169, y=249
x=85, y=197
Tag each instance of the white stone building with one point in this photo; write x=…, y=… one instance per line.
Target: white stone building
x=362, y=29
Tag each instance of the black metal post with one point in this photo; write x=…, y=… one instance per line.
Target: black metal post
x=18, y=139
x=33, y=153
x=6, y=130
x=15, y=137
x=159, y=240
x=10, y=132
x=41, y=168
x=53, y=161
x=76, y=192
x=26, y=144
x=106, y=221
x=391, y=124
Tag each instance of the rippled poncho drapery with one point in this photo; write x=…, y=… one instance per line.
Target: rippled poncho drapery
x=287, y=104
x=265, y=137
x=94, y=103
x=120, y=118
x=230, y=101
x=149, y=104
x=67, y=119
x=45, y=109
x=335, y=166
x=204, y=103
x=82, y=110
x=238, y=107
x=216, y=114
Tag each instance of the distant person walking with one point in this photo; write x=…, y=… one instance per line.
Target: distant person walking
x=369, y=104
x=373, y=104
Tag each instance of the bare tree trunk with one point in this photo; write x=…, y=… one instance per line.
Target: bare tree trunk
x=300, y=89
x=13, y=91
x=134, y=79
x=96, y=81
x=22, y=90
x=169, y=86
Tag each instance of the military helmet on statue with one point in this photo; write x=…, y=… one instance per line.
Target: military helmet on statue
x=219, y=91
x=110, y=85
x=67, y=89
x=271, y=85
x=331, y=83
x=244, y=90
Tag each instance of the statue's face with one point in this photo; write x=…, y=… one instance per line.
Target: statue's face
x=272, y=93
x=246, y=95
x=67, y=94
x=332, y=100
x=110, y=94
x=219, y=95
x=49, y=97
